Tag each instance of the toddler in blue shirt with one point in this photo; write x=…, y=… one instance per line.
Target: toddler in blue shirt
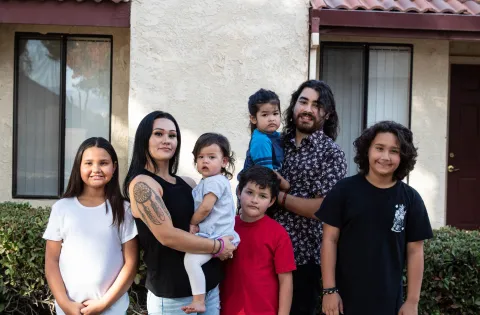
x=265, y=146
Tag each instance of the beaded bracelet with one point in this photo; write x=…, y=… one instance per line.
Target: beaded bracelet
x=284, y=197
x=222, y=246
x=329, y=291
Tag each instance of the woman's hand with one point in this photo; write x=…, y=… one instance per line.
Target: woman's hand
x=228, y=248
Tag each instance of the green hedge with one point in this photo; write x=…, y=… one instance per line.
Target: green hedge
x=451, y=281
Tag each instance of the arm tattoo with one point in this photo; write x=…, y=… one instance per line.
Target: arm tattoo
x=150, y=204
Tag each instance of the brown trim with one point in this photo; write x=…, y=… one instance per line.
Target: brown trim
x=71, y=13
x=395, y=33
x=397, y=20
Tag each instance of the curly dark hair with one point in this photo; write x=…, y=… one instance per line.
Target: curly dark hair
x=325, y=100
x=210, y=138
x=408, y=152
x=262, y=96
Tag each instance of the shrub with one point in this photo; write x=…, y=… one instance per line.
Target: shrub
x=451, y=282
x=23, y=287
x=451, y=279
x=22, y=258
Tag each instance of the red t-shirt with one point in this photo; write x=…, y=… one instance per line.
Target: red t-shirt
x=251, y=278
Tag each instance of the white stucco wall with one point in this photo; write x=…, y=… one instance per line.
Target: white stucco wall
x=120, y=88
x=429, y=118
x=201, y=60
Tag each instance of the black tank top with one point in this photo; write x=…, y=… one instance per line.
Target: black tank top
x=166, y=275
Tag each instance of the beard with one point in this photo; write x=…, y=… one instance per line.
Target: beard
x=310, y=126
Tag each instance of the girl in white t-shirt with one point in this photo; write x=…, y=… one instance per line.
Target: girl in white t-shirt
x=91, y=253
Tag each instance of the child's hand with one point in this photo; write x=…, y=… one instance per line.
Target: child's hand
x=409, y=308
x=72, y=308
x=332, y=304
x=194, y=229
x=93, y=307
x=284, y=184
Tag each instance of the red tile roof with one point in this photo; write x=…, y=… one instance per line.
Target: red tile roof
x=116, y=1
x=467, y=7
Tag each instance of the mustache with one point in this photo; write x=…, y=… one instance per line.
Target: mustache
x=306, y=115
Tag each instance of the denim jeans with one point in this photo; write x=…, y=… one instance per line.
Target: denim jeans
x=165, y=306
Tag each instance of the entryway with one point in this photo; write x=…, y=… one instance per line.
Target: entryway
x=463, y=183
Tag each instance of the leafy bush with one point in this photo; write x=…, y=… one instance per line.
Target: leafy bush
x=22, y=277
x=23, y=287
x=451, y=282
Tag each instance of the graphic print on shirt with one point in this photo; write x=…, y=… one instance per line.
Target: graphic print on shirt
x=399, y=218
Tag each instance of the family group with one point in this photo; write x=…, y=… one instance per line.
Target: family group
x=299, y=229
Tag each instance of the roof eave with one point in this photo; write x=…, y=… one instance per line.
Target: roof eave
x=396, y=20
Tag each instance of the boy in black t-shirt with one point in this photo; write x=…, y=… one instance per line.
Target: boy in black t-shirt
x=373, y=222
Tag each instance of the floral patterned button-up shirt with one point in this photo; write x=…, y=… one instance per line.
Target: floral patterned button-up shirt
x=312, y=170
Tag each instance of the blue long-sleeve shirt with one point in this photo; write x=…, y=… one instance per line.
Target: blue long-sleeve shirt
x=265, y=150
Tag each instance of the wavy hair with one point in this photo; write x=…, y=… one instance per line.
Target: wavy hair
x=325, y=100
x=408, y=152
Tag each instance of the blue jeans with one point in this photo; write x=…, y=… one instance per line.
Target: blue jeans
x=164, y=306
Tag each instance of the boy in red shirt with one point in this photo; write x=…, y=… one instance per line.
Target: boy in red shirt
x=258, y=280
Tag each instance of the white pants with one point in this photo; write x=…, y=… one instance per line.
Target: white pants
x=193, y=266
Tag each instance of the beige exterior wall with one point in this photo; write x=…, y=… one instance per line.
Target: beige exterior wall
x=120, y=88
x=201, y=60
x=429, y=118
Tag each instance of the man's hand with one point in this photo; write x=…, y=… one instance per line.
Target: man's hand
x=93, y=307
x=284, y=184
x=409, y=308
x=194, y=229
x=332, y=304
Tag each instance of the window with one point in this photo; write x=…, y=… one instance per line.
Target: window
x=62, y=97
x=371, y=83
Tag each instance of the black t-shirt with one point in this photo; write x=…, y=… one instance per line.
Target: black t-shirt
x=375, y=226
x=166, y=274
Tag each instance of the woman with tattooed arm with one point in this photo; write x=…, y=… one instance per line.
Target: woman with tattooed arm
x=162, y=205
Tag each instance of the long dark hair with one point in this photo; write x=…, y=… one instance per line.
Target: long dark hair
x=112, y=189
x=325, y=100
x=260, y=97
x=408, y=152
x=207, y=139
x=141, y=155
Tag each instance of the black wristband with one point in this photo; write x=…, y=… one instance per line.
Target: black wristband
x=329, y=291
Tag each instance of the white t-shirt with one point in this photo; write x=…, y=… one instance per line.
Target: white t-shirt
x=91, y=256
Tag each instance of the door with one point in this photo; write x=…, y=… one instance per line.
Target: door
x=463, y=191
